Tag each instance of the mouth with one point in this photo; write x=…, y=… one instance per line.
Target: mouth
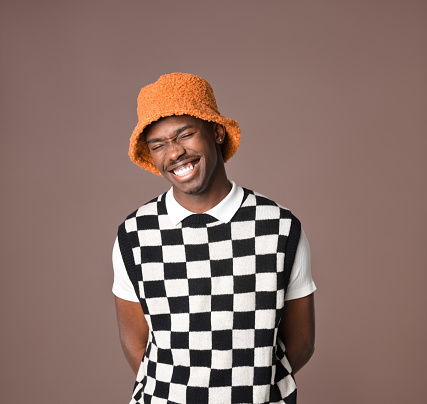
x=183, y=170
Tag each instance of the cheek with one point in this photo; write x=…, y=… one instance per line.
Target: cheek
x=157, y=159
x=212, y=155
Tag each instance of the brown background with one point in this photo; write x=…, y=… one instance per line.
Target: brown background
x=331, y=99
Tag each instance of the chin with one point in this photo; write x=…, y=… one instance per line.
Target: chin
x=191, y=190
x=193, y=187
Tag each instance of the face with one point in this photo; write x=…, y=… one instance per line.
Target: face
x=186, y=152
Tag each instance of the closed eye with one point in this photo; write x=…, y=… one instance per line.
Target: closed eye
x=156, y=147
x=187, y=135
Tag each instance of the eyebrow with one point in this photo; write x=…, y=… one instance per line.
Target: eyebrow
x=176, y=133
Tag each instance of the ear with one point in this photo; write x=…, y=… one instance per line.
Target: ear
x=219, y=133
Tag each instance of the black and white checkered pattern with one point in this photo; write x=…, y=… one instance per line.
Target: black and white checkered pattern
x=212, y=294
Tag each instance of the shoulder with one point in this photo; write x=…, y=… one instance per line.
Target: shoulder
x=153, y=207
x=264, y=206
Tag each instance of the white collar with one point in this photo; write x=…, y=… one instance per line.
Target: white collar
x=224, y=211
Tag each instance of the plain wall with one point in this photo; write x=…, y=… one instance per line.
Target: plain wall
x=331, y=100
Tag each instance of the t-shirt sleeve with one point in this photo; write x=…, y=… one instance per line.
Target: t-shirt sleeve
x=122, y=286
x=301, y=283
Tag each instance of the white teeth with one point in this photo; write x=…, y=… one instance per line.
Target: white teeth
x=181, y=171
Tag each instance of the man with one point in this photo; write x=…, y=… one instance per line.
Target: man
x=212, y=281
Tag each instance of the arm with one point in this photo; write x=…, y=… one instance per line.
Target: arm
x=133, y=331
x=296, y=330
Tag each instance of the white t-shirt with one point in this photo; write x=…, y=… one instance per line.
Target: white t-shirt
x=300, y=283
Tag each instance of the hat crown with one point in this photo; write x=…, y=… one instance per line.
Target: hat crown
x=175, y=90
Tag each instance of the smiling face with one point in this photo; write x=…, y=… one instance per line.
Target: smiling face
x=186, y=151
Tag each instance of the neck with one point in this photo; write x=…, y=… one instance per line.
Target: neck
x=206, y=200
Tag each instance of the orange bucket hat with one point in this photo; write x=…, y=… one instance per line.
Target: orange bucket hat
x=178, y=94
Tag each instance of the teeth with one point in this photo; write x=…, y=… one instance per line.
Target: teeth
x=184, y=170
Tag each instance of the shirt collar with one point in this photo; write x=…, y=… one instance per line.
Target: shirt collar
x=224, y=211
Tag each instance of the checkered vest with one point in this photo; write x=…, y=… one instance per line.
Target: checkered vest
x=212, y=294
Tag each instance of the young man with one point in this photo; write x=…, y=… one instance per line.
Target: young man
x=212, y=280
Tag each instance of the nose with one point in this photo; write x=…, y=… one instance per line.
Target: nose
x=175, y=151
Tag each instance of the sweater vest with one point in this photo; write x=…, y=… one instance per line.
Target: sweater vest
x=212, y=294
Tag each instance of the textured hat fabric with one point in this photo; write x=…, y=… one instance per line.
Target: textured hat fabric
x=178, y=94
